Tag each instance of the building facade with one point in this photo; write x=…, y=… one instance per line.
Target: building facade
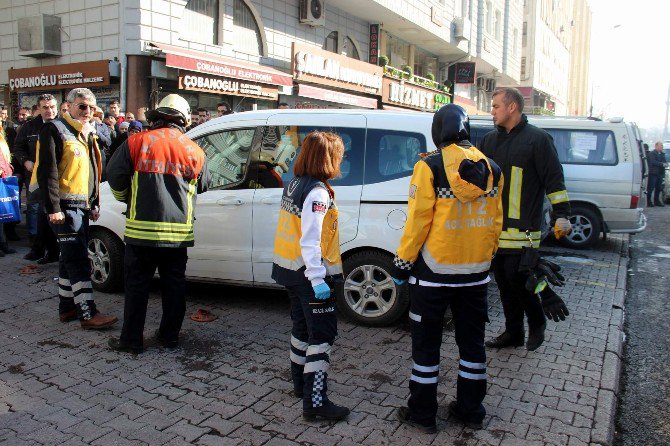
x=545, y=64
x=580, y=56
x=254, y=54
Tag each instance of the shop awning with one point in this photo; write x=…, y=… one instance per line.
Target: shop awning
x=323, y=94
x=191, y=60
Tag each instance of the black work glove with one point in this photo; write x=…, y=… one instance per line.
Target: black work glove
x=550, y=271
x=554, y=307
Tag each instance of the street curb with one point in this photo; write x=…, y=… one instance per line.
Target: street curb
x=610, y=378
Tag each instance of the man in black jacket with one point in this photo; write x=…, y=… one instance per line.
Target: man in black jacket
x=530, y=165
x=657, y=164
x=24, y=150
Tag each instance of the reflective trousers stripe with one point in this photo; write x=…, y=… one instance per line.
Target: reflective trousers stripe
x=473, y=376
x=516, y=181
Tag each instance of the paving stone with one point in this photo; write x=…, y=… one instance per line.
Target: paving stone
x=229, y=382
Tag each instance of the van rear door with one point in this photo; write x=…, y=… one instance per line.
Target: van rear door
x=282, y=138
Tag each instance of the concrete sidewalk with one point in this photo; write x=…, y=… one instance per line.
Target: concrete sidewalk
x=229, y=381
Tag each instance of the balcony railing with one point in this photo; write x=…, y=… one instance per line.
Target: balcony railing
x=414, y=79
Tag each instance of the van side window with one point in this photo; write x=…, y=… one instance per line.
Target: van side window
x=227, y=155
x=391, y=154
x=595, y=147
x=280, y=146
x=477, y=134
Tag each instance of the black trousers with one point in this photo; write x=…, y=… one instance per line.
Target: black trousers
x=312, y=336
x=74, y=268
x=140, y=263
x=516, y=299
x=469, y=308
x=654, y=188
x=45, y=241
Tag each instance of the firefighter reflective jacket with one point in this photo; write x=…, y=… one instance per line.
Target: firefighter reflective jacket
x=531, y=167
x=454, y=217
x=68, y=166
x=291, y=245
x=158, y=174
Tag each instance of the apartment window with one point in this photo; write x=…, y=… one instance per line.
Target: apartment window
x=523, y=69
x=349, y=48
x=424, y=63
x=247, y=34
x=201, y=21
x=331, y=42
x=487, y=17
x=466, y=9
x=515, y=42
x=496, y=25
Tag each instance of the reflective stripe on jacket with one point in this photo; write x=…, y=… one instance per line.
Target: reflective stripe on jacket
x=453, y=225
x=289, y=266
x=158, y=174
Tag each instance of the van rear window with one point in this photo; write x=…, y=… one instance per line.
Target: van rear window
x=391, y=154
x=595, y=147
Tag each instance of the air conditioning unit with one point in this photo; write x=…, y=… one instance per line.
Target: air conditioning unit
x=490, y=85
x=462, y=28
x=481, y=83
x=313, y=12
x=39, y=36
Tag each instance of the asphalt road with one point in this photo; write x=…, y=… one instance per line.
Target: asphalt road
x=642, y=417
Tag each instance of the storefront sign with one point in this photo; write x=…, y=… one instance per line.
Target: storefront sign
x=311, y=64
x=308, y=91
x=462, y=73
x=374, y=44
x=246, y=74
x=408, y=95
x=234, y=87
x=57, y=77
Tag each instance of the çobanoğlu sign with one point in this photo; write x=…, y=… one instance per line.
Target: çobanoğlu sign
x=306, y=63
x=225, y=86
x=52, y=80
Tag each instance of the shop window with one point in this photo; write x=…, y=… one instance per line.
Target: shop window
x=397, y=51
x=246, y=33
x=424, y=63
x=391, y=154
x=201, y=21
x=280, y=146
x=331, y=42
x=227, y=156
x=349, y=48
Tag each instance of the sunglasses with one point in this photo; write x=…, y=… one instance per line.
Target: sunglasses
x=83, y=107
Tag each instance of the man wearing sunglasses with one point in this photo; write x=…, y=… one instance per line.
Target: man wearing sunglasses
x=68, y=170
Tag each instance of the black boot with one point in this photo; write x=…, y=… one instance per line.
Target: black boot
x=405, y=417
x=659, y=203
x=10, y=232
x=33, y=255
x=505, y=340
x=117, y=345
x=328, y=411
x=535, y=337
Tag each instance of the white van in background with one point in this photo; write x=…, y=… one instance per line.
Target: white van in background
x=250, y=157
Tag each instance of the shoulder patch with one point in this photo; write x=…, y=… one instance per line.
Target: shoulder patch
x=412, y=190
x=319, y=207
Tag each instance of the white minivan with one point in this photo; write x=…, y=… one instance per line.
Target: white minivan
x=250, y=157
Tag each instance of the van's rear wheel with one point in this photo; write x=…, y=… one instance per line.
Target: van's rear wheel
x=586, y=228
x=369, y=296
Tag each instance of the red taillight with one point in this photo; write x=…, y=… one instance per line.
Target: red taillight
x=633, y=201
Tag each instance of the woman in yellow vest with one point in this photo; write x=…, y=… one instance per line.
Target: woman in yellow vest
x=307, y=262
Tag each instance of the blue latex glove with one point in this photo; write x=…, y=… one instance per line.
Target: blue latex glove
x=399, y=282
x=322, y=291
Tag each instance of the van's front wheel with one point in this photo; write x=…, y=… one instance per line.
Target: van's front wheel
x=369, y=296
